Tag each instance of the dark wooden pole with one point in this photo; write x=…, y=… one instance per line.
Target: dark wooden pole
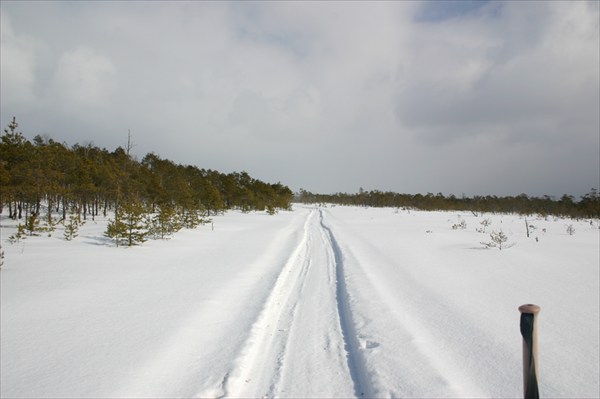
x=529, y=314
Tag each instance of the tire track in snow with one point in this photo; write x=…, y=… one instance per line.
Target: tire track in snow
x=356, y=365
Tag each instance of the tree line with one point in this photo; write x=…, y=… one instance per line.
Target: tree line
x=588, y=205
x=42, y=178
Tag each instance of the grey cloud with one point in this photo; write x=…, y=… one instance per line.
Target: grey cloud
x=325, y=96
x=473, y=92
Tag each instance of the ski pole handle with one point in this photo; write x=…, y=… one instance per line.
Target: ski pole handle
x=529, y=315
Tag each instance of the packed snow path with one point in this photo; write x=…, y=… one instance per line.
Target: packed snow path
x=303, y=343
x=318, y=302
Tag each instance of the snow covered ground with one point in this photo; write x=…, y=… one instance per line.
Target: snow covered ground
x=318, y=302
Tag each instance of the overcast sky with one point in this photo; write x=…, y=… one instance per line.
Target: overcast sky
x=415, y=97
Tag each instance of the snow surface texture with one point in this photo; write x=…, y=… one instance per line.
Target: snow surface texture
x=318, y=302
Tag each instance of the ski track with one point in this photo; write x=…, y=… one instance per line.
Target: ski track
x=351, y=343
x=401, y=303
x=198, y=345
x=313, y=338
x=315, y=305
x=303, y=344
x=258, y=367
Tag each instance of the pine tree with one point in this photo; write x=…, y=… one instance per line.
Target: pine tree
x=116, y=229
x=190, y=218
x=485, y=223
x=165, y=222
x=71, y=228
x=570, y=230
x=19, y=235
x=134, y=218
x=32, y=225
x=498, y=239
x=271, y=209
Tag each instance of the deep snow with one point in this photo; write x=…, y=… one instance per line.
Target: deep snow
x=318, y=302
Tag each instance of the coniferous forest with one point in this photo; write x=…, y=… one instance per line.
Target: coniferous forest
x=588, y=206
x=45, y=182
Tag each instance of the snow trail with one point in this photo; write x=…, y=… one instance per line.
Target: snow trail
x=315, y=338
x=258, y=366
x=318, y=302
x=400, y=319
x=299, y=344
x=204, y=342
x=351, y=343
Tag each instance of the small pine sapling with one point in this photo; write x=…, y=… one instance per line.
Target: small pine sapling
x=498, y=239
x=190, y=219
x=116, y=230
x=32, y=225
x=271, y=210
x=71, y=228
x=165, y=222
x=19, y=235
x=135, y=219
x=570, y=230
x=49, y=224
x=485, y=223
x=460, y=226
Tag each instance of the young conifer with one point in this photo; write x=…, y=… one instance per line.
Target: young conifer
x=165, y=222
x=71, y=228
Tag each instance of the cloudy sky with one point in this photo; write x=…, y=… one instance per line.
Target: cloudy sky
x=415, y=97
